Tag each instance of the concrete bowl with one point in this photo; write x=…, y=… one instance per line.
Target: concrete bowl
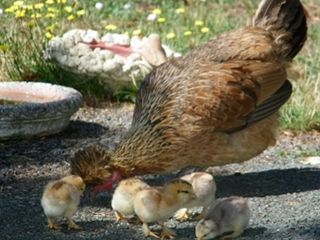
x=30, y=109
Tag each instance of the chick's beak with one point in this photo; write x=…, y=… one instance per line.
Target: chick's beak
x=194, y=196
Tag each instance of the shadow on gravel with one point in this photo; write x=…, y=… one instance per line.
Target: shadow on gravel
x=272, y=182
x=81, y=129
x=39, y=150
x=75, y=130
x=308, y=230
x=253, y=232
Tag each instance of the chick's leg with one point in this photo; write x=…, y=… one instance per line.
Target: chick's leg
x=134, y=220
x=182, y=214
x=147, y=232
x=119, y=216
x=52, y=225
x=68, y=216
x=71, y=224
x=200, y=215
x=166, y=232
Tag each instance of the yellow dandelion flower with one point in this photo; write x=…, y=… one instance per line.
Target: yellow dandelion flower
x=80, y=12
x=156, y=11
x=36, y=15
x=15, y=7
x=205, y=30
x=48, y=35
x=198, y=23
x=49, y=2
x=187, y=33
x=20, y=13
x=29, y=7
x=111, y=27
x=38, y=5
x=161, y=20
x=30, y=24
x=70, y=17
x=52, y=10
x=171, y=35
x=4, y=48
x=50, y=15
x=136, y=32
x=180, y=10
x=18, y=3
x=9, y=10
x=68, y=9
x=50, y=28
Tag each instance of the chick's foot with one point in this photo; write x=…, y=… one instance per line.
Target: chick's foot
x=167, y=233
x=53, y=225
x=119, y=216
x=148, y=232
x=182, y=214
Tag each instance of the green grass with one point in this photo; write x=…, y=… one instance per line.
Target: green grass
x=302, y=153
x=23, y=39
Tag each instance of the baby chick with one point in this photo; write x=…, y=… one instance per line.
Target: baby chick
x=204, y=187
x=61, y=198
x=122, y=199
x=158, y=204
x=229, y=215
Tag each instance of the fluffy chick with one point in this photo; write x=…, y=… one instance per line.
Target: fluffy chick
x=226, y=216
x=61, y=199
x=158, y=204
x=122, y=199
x=204, y=186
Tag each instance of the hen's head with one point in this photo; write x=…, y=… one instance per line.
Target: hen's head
x=93, y=165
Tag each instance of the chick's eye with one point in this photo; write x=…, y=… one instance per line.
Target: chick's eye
x=183, y=191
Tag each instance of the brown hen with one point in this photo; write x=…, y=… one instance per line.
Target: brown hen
x=216, y=105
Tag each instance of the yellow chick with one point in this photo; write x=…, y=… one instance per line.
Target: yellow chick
x=122, y=199
x=61, y=199
x=158, y=204
x=204, y=187
x=225, y=215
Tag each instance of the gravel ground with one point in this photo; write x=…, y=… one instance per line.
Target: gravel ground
x=284, y=192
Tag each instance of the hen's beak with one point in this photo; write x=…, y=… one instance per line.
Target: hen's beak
x=107, y=185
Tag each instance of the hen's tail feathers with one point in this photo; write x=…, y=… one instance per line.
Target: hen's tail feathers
x=286, y=20
x=91, y=163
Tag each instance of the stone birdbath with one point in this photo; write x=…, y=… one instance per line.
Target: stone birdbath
x=114, y=58
x=30, y=109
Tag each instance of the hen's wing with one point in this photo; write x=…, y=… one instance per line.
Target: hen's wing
x=221, y=96
x=230, y=96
